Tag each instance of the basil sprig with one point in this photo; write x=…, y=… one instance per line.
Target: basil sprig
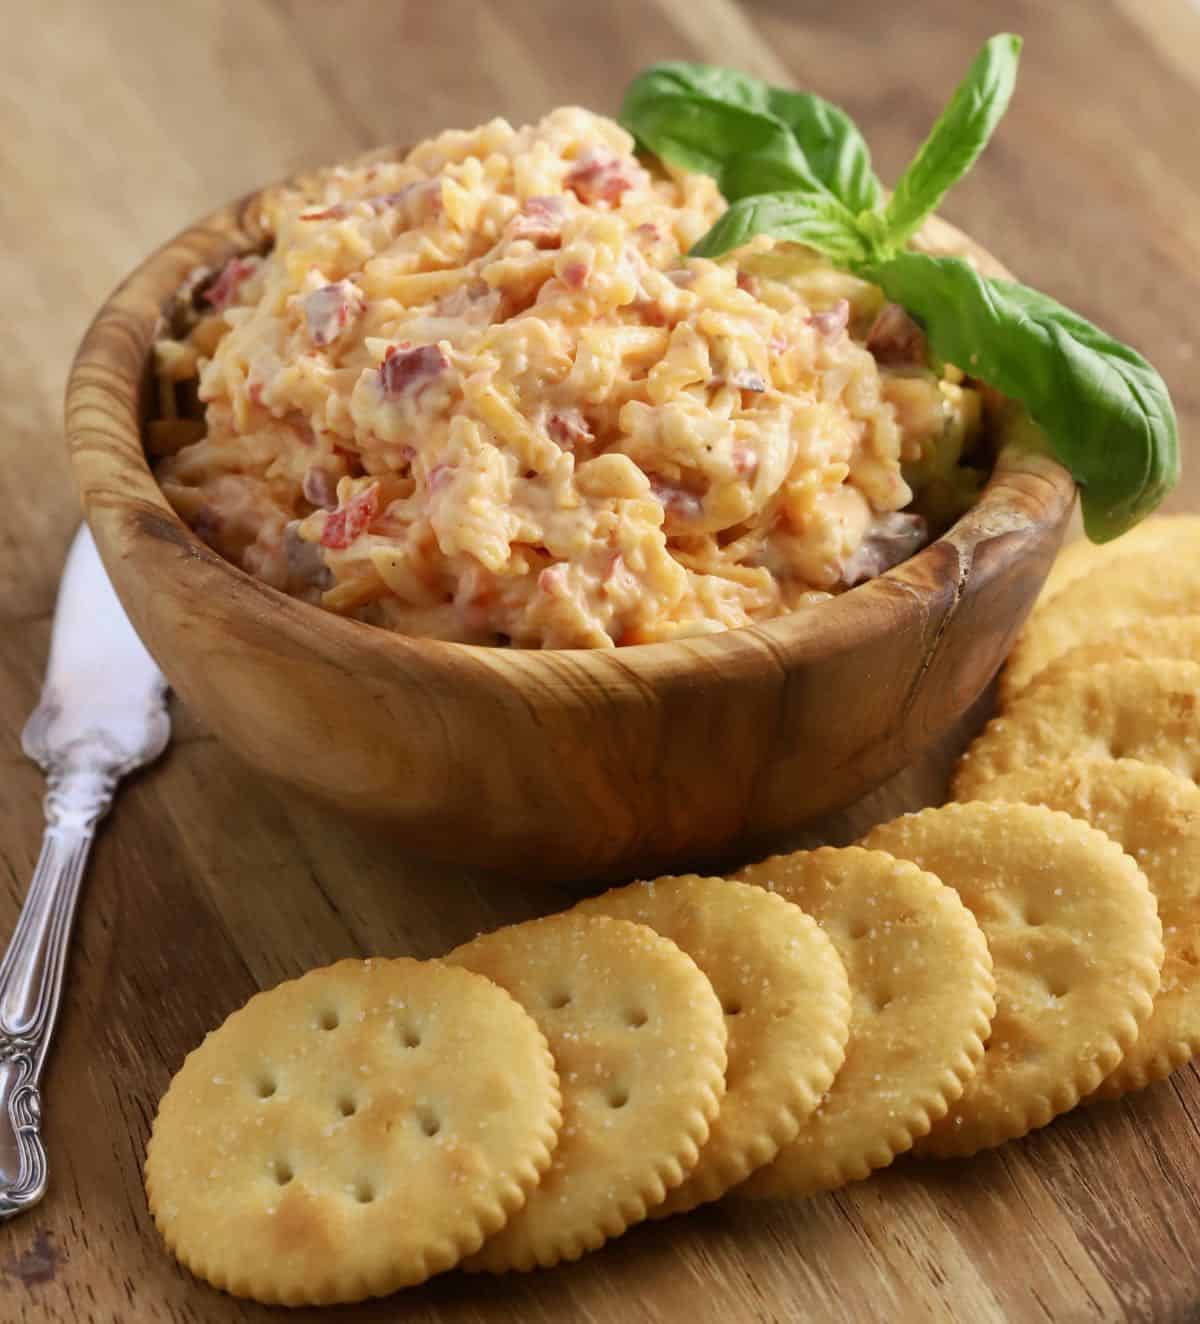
x=793, y=166
x=753, y=138
x=955, y=141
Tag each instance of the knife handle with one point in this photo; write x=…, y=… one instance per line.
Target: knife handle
x=31, y=978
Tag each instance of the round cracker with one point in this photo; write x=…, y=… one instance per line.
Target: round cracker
x=352, y=1132
x=1177, y=534
x=787, y=1012
x=1171, y=638
x=1146, y=710
x=1097, y=607
x=916, y=958
x=639, y=1038
x=1155, y=816
x=1076, y=951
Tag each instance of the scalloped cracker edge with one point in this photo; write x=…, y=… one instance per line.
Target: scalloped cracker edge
x=1076, y=949
x=916, y=958
x=295, y=1140
x=1131, y=708
x=1145, y=574
x=787, y=1011
x=1155, y=817
x=639, y=1038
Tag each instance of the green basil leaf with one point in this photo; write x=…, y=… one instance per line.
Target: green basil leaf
x=960, y=134
x=701, y=116
x=1105, y=411
x=712, y=136
x=683, y=78
x=837, y=152
x=820, y=222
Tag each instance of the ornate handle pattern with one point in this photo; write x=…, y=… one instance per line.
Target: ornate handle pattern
x=31, y=977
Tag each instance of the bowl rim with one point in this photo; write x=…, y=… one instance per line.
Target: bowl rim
x=122, y=497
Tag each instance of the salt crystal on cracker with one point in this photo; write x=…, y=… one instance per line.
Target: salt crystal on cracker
x=310, y=1178
x=1129, y=708
x=787, y=1010
x=614, y=999
x=921, y=991
x=1041, y=881
x=1155, y=816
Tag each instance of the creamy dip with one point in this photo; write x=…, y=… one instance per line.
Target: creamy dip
x=480, y=393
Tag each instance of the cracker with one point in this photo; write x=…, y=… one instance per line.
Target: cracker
x=1097, y=607
x=1155, y=817
x=1147, y=710
x=639, y=1038
x=1167, y=637
x=352, y=1132
x=787, y=1012
x=917, y=961
x=1076, y=951
x=1177, y=534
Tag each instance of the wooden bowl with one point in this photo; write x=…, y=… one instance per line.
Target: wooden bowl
x=567, y=764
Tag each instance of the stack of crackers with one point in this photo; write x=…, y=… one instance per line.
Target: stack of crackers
x=961, y=977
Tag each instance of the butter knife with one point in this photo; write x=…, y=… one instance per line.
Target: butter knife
x=102, y=713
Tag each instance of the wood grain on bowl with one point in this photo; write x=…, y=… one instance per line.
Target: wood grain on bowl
x=559, y=763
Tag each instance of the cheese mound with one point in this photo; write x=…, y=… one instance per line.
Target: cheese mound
x=481, y=393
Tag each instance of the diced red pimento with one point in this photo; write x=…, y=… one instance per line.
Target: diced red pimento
x=319, y=487
x=892, y=538
x=601, y=176
x=477, y=593
x=895, y=338
x=474, y=302
x=404, y=371
x=747, y=282
x=301, y=428
x=651, y=312
x=677, y=500
x=331, y=309
x=745, y=460
x=619, y=576
x=334, y=212
x=568, y=428
x=421, y=199
x=345, y=523
x=222, y=292
x=574, y=275
x=541, y=221
x=553, y=580
x=832, y=321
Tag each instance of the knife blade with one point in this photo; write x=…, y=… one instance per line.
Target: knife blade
x=102, y=714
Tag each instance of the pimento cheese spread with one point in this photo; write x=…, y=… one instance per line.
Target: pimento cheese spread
x=481, y=393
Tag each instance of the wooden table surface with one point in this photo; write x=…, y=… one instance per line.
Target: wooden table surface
x=123, y=119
